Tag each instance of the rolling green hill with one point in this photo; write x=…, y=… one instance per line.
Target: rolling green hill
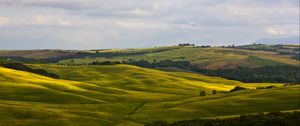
x=137, y=78
x=253, y=64
x=128, y=95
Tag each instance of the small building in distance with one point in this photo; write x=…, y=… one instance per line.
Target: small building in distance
x=186, y=44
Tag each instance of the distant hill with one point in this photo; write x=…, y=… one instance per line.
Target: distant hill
x=202, y=58
x=199, y=57
x=274, y=41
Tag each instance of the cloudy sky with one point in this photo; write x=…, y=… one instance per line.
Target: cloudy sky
x=96, y=24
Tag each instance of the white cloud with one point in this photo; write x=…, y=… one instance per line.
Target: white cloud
x=283, y=30
x=4, y=20
x=53, y=20
x=45, y=20
x=156, y=6
x=140, y=12
x=275, y=31
x=133, y=24
x=41, y=19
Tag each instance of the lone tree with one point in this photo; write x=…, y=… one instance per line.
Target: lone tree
x=202, y=93
x=214, y=92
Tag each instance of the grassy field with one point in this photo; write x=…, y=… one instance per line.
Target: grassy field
x=128, y=95
x=205, y=58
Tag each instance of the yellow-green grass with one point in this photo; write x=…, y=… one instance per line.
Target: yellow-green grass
x=249, y=101
x=207, y=58
x=127, y=95
x=19, y=83
x=16, y=112
x=137, y=78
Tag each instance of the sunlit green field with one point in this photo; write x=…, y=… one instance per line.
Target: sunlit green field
x=128, y=95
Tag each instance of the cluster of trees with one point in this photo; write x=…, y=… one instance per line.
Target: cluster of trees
x=104, y=63
x=22, y=67
x=236, y=88
x=203, y=46
x=203, y=93
x=163, y=63
x=276, y=74
x=186, y=44
x=231, y=46
x=140, y=63
x=260, y=119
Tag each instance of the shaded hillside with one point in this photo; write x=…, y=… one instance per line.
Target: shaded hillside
x=50, y=56
x=37, y=54
x=22, y=67
x=279, y=74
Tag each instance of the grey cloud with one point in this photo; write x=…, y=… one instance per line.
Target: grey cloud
x=135, y=23
x=63, y=4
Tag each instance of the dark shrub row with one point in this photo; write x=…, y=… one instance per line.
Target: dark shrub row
x=270, y=119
